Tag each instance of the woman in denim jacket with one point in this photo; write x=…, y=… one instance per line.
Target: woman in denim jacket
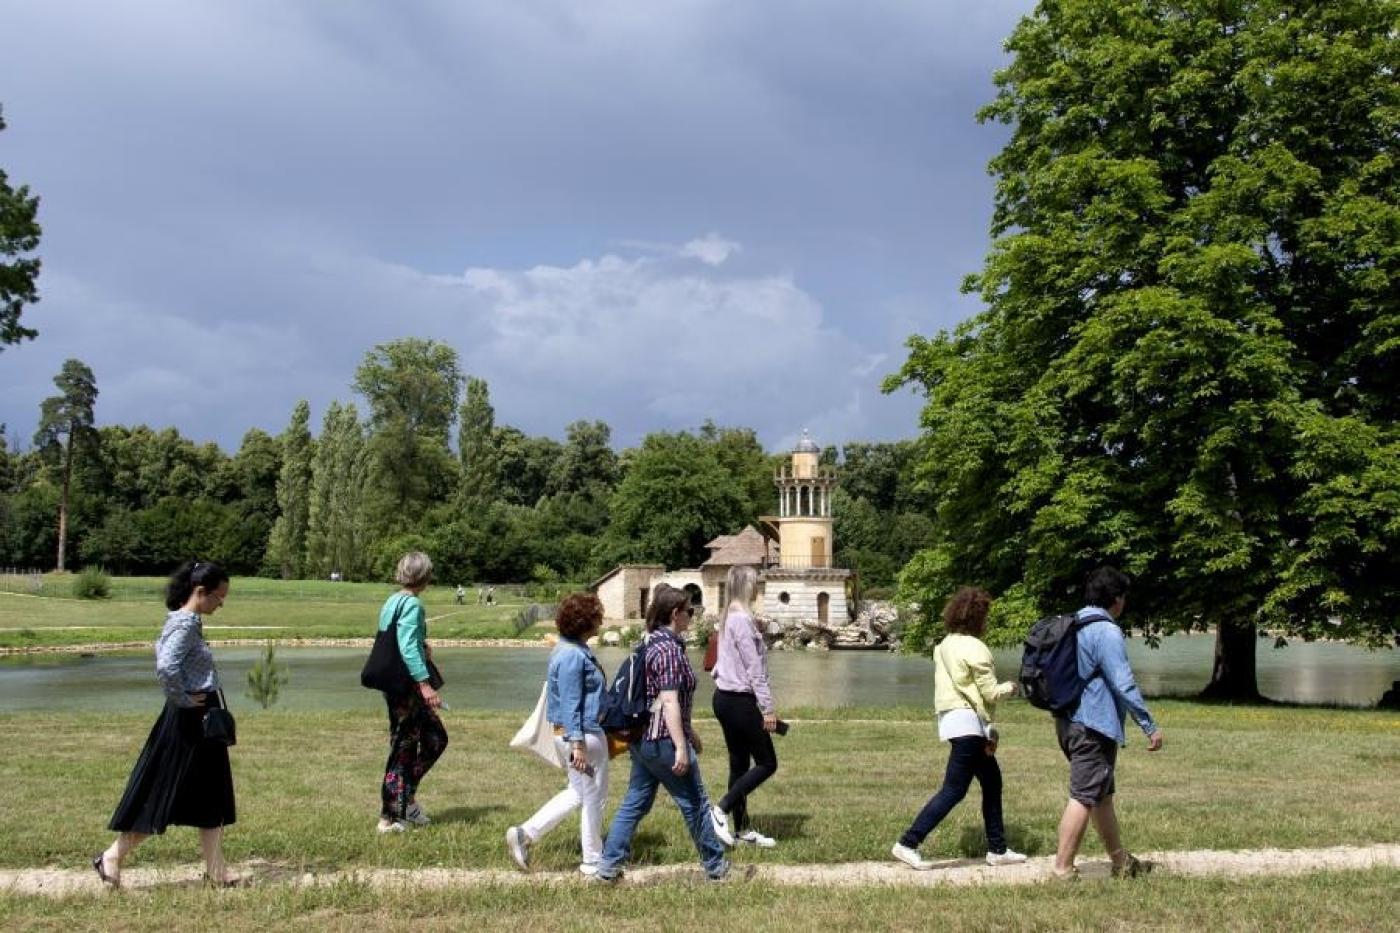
x=574, y=692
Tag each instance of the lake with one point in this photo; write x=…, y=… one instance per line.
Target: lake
x=510, y=678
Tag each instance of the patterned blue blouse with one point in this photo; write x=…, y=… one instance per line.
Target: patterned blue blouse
x=184, y=663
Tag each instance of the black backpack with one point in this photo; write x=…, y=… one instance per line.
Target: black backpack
x=624, y=711
x=1050, y=664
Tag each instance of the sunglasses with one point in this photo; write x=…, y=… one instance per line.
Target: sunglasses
x=688, y=610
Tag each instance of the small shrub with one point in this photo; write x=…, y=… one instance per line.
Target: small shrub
x=266, y=678
x=92, y=583
x=630, y=635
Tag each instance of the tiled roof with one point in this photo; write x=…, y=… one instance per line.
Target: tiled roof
x=747, y=547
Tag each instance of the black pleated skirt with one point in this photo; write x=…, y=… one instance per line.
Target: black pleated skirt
x=179, y=779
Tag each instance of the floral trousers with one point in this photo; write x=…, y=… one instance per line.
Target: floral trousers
x=416, y=741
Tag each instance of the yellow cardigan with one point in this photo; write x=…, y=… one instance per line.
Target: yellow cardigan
x=964, y=675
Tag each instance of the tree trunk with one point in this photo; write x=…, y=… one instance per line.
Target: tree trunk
x=1233, y=676
x=63, y=502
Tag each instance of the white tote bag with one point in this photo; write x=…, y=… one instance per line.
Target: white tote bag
x=537, y=735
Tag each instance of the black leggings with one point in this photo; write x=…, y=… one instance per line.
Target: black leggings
x=748, y=742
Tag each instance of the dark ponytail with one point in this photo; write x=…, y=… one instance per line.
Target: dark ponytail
x=191, y=574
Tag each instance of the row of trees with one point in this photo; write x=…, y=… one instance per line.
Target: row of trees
x=351, y=494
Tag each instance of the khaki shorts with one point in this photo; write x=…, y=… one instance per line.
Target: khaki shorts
x=1092, y=757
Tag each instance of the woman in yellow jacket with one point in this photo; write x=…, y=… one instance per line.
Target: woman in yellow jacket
x=965, y=693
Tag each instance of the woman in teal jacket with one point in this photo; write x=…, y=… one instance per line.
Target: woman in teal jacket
x=416, y=734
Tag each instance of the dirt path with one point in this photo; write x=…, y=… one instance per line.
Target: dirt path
x=55, y=882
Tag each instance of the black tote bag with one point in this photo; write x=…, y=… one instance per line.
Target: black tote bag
x=385, y=669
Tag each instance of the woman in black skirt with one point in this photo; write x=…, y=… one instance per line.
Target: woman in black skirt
x=180, y=778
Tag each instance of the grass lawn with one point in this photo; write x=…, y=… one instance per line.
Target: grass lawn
x=257, y=609
x=307, y=794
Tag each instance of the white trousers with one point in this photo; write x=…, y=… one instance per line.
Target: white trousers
x=590, y=793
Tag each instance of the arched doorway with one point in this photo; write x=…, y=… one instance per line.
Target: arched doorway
x=823, y=607
x=697, y=598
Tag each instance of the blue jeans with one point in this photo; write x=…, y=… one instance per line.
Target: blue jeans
x=967, y=759
x=651, y=767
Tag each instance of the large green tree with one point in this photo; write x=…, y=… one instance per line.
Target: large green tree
x=476, y=444
x=412, y=386
x=333, y=537
x=66, y=432
x=675, y=497
x=286, y=547
x=1189, y=359
x=19, y=269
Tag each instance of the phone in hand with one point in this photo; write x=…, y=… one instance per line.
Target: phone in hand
x=782, y=727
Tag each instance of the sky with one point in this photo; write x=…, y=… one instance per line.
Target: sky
x=651, y=214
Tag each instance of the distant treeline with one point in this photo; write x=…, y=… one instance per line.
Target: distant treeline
x=502, y=506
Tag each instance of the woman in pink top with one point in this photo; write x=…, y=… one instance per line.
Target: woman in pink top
x=743, y=704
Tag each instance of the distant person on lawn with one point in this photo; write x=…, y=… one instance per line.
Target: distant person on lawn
x=1090, y=738
x=417, y=737
x=572, y=697
x=180, y=778
x=965, y=694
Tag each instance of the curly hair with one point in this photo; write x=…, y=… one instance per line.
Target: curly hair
x=579, y=614
x=966, y=612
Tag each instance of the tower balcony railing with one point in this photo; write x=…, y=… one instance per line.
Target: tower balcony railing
x=806, y=563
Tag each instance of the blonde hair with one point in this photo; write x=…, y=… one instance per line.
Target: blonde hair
x=415, y=569
x=741, y=586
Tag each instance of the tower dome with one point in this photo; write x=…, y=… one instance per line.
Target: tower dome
x=806, y=445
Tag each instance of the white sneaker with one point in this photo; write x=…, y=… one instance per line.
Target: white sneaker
x=518, y=844
x=588, y=869
x=391, y=826
x=415, y=815
x=910, y=857
x=755, y=838
x=720, y=821
x=1009, y=857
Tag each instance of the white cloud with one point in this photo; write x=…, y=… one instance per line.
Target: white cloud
x=711, y=249
x=646, y=343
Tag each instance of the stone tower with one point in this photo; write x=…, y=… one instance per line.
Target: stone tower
x=804, y=587
x=804, y=509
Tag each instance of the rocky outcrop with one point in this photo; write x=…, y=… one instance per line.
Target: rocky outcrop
x=873, y=628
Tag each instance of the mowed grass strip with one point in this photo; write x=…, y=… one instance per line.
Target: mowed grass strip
x=1361, y=900
x=307, y=783
x=256, y=610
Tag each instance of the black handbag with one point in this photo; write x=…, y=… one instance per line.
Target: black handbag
x=218, y=724
x=385, y=669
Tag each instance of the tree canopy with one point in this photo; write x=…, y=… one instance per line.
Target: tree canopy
x=1187, y=361
x=19, y=270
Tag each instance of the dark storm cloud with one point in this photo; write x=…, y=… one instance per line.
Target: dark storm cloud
x=240, y=199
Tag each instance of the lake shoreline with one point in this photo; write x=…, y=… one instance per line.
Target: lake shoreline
x=115, y=646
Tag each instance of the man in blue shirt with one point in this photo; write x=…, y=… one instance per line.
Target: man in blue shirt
x=1091, y=736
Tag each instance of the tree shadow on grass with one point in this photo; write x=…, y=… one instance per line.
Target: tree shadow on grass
x=781, y=825
x=647, y=846
x=465, y=814
x=973, y=842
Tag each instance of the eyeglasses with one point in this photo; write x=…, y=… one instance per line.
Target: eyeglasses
x=688, y=610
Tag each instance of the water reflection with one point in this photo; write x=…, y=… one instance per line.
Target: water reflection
x=509, y=678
